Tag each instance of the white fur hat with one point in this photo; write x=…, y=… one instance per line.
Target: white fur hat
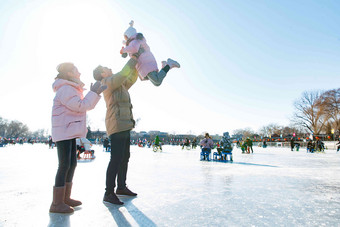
x=131, y=31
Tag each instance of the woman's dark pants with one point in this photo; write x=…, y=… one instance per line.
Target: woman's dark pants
x=67, y=157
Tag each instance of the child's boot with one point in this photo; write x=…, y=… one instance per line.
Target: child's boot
x=68, y=200
x=173, y=63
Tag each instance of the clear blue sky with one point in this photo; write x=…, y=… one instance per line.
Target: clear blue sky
x=243, y=63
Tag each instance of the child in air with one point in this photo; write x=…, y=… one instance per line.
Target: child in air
x=146, y=65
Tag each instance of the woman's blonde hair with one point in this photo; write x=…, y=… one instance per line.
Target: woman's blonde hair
x=63, y=69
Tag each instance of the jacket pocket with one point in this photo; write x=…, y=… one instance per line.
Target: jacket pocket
x=124, y=111
x=76, y=129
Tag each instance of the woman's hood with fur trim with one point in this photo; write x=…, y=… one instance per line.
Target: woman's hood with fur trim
x=58, y=83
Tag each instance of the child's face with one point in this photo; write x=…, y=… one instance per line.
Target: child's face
x=126, y=38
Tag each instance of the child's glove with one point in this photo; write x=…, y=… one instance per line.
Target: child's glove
x=124, y=55
x=97, y=87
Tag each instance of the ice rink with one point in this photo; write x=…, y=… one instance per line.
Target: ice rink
x=272, y=187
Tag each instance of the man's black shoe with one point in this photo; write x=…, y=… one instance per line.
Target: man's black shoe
x=112, y=198
x=125, y=191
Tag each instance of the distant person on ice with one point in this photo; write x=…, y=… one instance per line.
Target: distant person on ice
x=146, y=65
x=186, y=143
x=249, y=143
x=106, y=144
x=292, y=144
x=68, y=123
x=207, y=143
x=157, y=142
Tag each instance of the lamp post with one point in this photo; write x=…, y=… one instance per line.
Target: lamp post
x=333, y=133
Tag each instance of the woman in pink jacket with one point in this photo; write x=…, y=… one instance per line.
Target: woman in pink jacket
x=68, y=123
x=146, y=65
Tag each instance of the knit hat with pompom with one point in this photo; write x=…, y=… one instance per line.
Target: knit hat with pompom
x=131, y=31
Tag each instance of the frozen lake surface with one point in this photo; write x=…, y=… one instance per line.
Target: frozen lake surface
x=272, y=187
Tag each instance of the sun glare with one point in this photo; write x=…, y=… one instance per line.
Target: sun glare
x=75, y=31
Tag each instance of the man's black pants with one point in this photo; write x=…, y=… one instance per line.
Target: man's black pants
x=118, y=165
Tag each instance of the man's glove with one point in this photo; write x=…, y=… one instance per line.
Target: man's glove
x=97, y=87
x=140, y=51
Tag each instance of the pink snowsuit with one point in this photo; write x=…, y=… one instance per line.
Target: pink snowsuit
x=146, y=61
x=69, y=110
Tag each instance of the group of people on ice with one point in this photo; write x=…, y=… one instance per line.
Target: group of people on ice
x=246, y=146
x=225, y=146
x=187, y=143
x=315, y=146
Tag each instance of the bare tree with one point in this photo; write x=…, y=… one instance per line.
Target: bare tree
x=246, y=132
x=310, y=112
x=331, y=101
x=39, y=133
x=3, y=127
x=270, y=129
x=264, y=131
x=17, y=129
x=288, y=130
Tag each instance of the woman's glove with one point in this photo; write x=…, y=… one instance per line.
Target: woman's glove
x=97, y=87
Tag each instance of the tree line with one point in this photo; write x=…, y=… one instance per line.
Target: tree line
x=17, y=129
x=315, y=113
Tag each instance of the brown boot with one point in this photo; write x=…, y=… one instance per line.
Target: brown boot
x=58, y=205
x=68, y=200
